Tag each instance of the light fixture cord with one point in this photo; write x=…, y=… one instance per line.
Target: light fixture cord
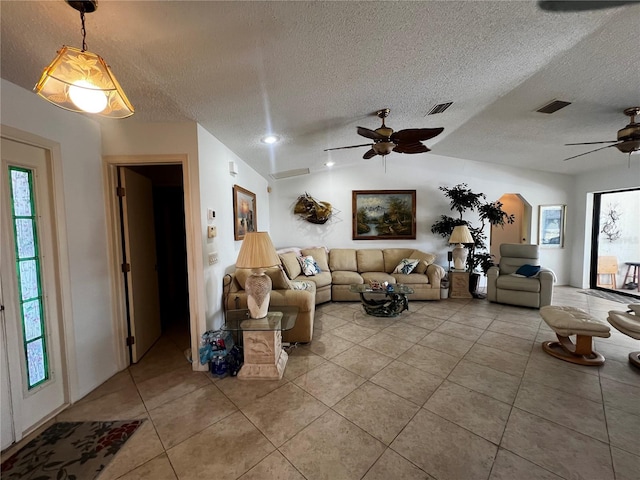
x=84, y=32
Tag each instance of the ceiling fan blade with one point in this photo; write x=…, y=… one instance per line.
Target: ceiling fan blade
x=373, y=135
x=586, y=153
x=350, y=146
x=580, y=5
x=592, y=143
x=369, y=154
x=411, y=135
x=416, y=147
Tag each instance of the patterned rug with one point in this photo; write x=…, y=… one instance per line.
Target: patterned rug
x=69, y=451
x=614, y=297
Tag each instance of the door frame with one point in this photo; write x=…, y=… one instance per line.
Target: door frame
x=195, y=270
x=61, y=274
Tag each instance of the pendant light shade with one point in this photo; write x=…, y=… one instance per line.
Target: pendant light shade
x=83, y=82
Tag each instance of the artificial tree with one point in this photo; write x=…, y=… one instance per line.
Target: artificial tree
x=462, y=200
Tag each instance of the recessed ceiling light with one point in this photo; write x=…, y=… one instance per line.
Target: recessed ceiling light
x=330, y=164
x=270, y=139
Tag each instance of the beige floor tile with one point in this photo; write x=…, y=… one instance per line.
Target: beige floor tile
x=440, y=310
x=377, y=411
x=622, y=371
x=513, y=329
x=474, y=411
x=625, y=465
x=497, y=359
x=556, y=375
x=563, y=451
x=471, y=319
x=362, y=361
x=163, y=357
x=446, y=343
x=354, y=333
x=301, y=360
x=159, y=469
x=509, y=466
x=461, y=331
x=329, y=383
x=429, y=360
x=621, y=395
x=443, y=449
x=624, y=430
x=542, y=359
x=327, y=322
x=405, y=331
x=362, y=319
x=284, y=412
x=123, y=404
x=143, y=446
x=532, y=320
x=496, y=384
x=245, y=392
x=577, y=413
x=171, y=385
x=481, y=309
x=226, y=449
x=345, y=313
x=428, y=321
x=341, y=450
x=390, y=346
x=275, y=466
x=181, y=418
x=507, y=343
x=408, y=382
x=117, y=382
x=328, y=345
x=392, y=466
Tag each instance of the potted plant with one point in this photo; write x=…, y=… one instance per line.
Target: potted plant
x=464, y=201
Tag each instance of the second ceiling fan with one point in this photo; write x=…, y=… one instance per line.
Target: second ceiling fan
x=385, y=140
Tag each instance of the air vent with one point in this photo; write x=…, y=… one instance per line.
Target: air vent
x=289, y=173
x=439, y=108
x=554, y=106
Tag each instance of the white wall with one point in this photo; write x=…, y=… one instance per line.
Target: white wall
x=607, y=179
x=79, y=138
x=424, y=173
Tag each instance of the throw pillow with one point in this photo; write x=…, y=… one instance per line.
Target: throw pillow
x=309, y=266
x=406, y=265
x=528, y=270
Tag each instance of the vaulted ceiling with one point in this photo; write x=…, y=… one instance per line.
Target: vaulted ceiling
x=312, y=72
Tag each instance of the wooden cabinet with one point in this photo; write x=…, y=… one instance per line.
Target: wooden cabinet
x=459, y=282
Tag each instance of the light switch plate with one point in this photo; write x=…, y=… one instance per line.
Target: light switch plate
x=213, y=258
x=211, y=214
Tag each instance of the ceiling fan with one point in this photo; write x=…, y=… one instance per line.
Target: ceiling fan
x=385, y=140
x=628, y=137
x=581, y=5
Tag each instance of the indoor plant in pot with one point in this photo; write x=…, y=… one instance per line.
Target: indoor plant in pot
x=464, y=201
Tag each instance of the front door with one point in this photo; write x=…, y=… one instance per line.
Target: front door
x=31, y=337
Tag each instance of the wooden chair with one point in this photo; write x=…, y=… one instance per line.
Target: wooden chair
x=607, y=266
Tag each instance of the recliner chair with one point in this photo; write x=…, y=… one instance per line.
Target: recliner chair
x=527, y=291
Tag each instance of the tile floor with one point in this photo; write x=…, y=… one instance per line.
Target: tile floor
x=452, y=390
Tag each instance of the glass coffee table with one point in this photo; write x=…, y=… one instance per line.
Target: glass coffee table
x=383, y=302
x=264, y=358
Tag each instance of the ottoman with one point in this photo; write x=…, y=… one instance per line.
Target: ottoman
x=629, y=324
x=567, y=321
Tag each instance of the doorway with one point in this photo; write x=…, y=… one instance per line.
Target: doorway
x=517, y=232
x=615, y=242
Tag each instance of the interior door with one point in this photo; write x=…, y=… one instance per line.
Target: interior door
x=6, y=421
x=138, y=232
x=516, y=232
x=34, y=386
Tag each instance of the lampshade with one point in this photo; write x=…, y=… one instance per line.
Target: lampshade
x=257, y=251
x=461, y=234
x=81, y=81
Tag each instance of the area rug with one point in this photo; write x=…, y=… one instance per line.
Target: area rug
x=614, y=297
x=69, y=451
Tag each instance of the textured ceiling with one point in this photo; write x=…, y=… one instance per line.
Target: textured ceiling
x=313, y=71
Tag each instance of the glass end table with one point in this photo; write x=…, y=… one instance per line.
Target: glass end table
x=391, y=301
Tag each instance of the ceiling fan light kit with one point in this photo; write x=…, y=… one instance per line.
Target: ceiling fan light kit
x=81, y=81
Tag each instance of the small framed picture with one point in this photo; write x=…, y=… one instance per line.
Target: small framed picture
x=551, y=221
x=244, y=212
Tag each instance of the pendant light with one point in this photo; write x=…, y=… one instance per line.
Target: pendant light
x=81, y=81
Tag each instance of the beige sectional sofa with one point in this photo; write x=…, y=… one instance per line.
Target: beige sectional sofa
x=340, y=268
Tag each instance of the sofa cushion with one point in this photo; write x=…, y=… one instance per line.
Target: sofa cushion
x=411, y=279
x=406, y=265
x=291, y=265
x=342, y=277
x=309, y=266
x=427, y=259
x=319, y=254
x=379, y=276
x=370, y=260
x=322, y=279
x=343, y=259
x=392, y=257
x=509, y=282
x=279, y=280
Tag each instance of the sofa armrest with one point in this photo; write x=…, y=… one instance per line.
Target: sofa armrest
x=435, y=273
x=492, y=277
x=547, y=279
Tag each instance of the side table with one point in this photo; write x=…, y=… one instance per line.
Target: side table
x=459, y=282
x=264, y=358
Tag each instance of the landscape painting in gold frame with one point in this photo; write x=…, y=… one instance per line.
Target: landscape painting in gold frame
x=384, y=214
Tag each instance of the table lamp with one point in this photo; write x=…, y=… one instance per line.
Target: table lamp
x=257, y=253
x=460, y=235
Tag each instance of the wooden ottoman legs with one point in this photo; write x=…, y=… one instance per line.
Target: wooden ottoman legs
x=634, y=358
x=581, y=352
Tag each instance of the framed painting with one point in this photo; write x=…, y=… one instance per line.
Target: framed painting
x=244, y=212
x=384, y=214
x=551, y=221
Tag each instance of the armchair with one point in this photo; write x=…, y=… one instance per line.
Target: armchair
x=505, y=287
